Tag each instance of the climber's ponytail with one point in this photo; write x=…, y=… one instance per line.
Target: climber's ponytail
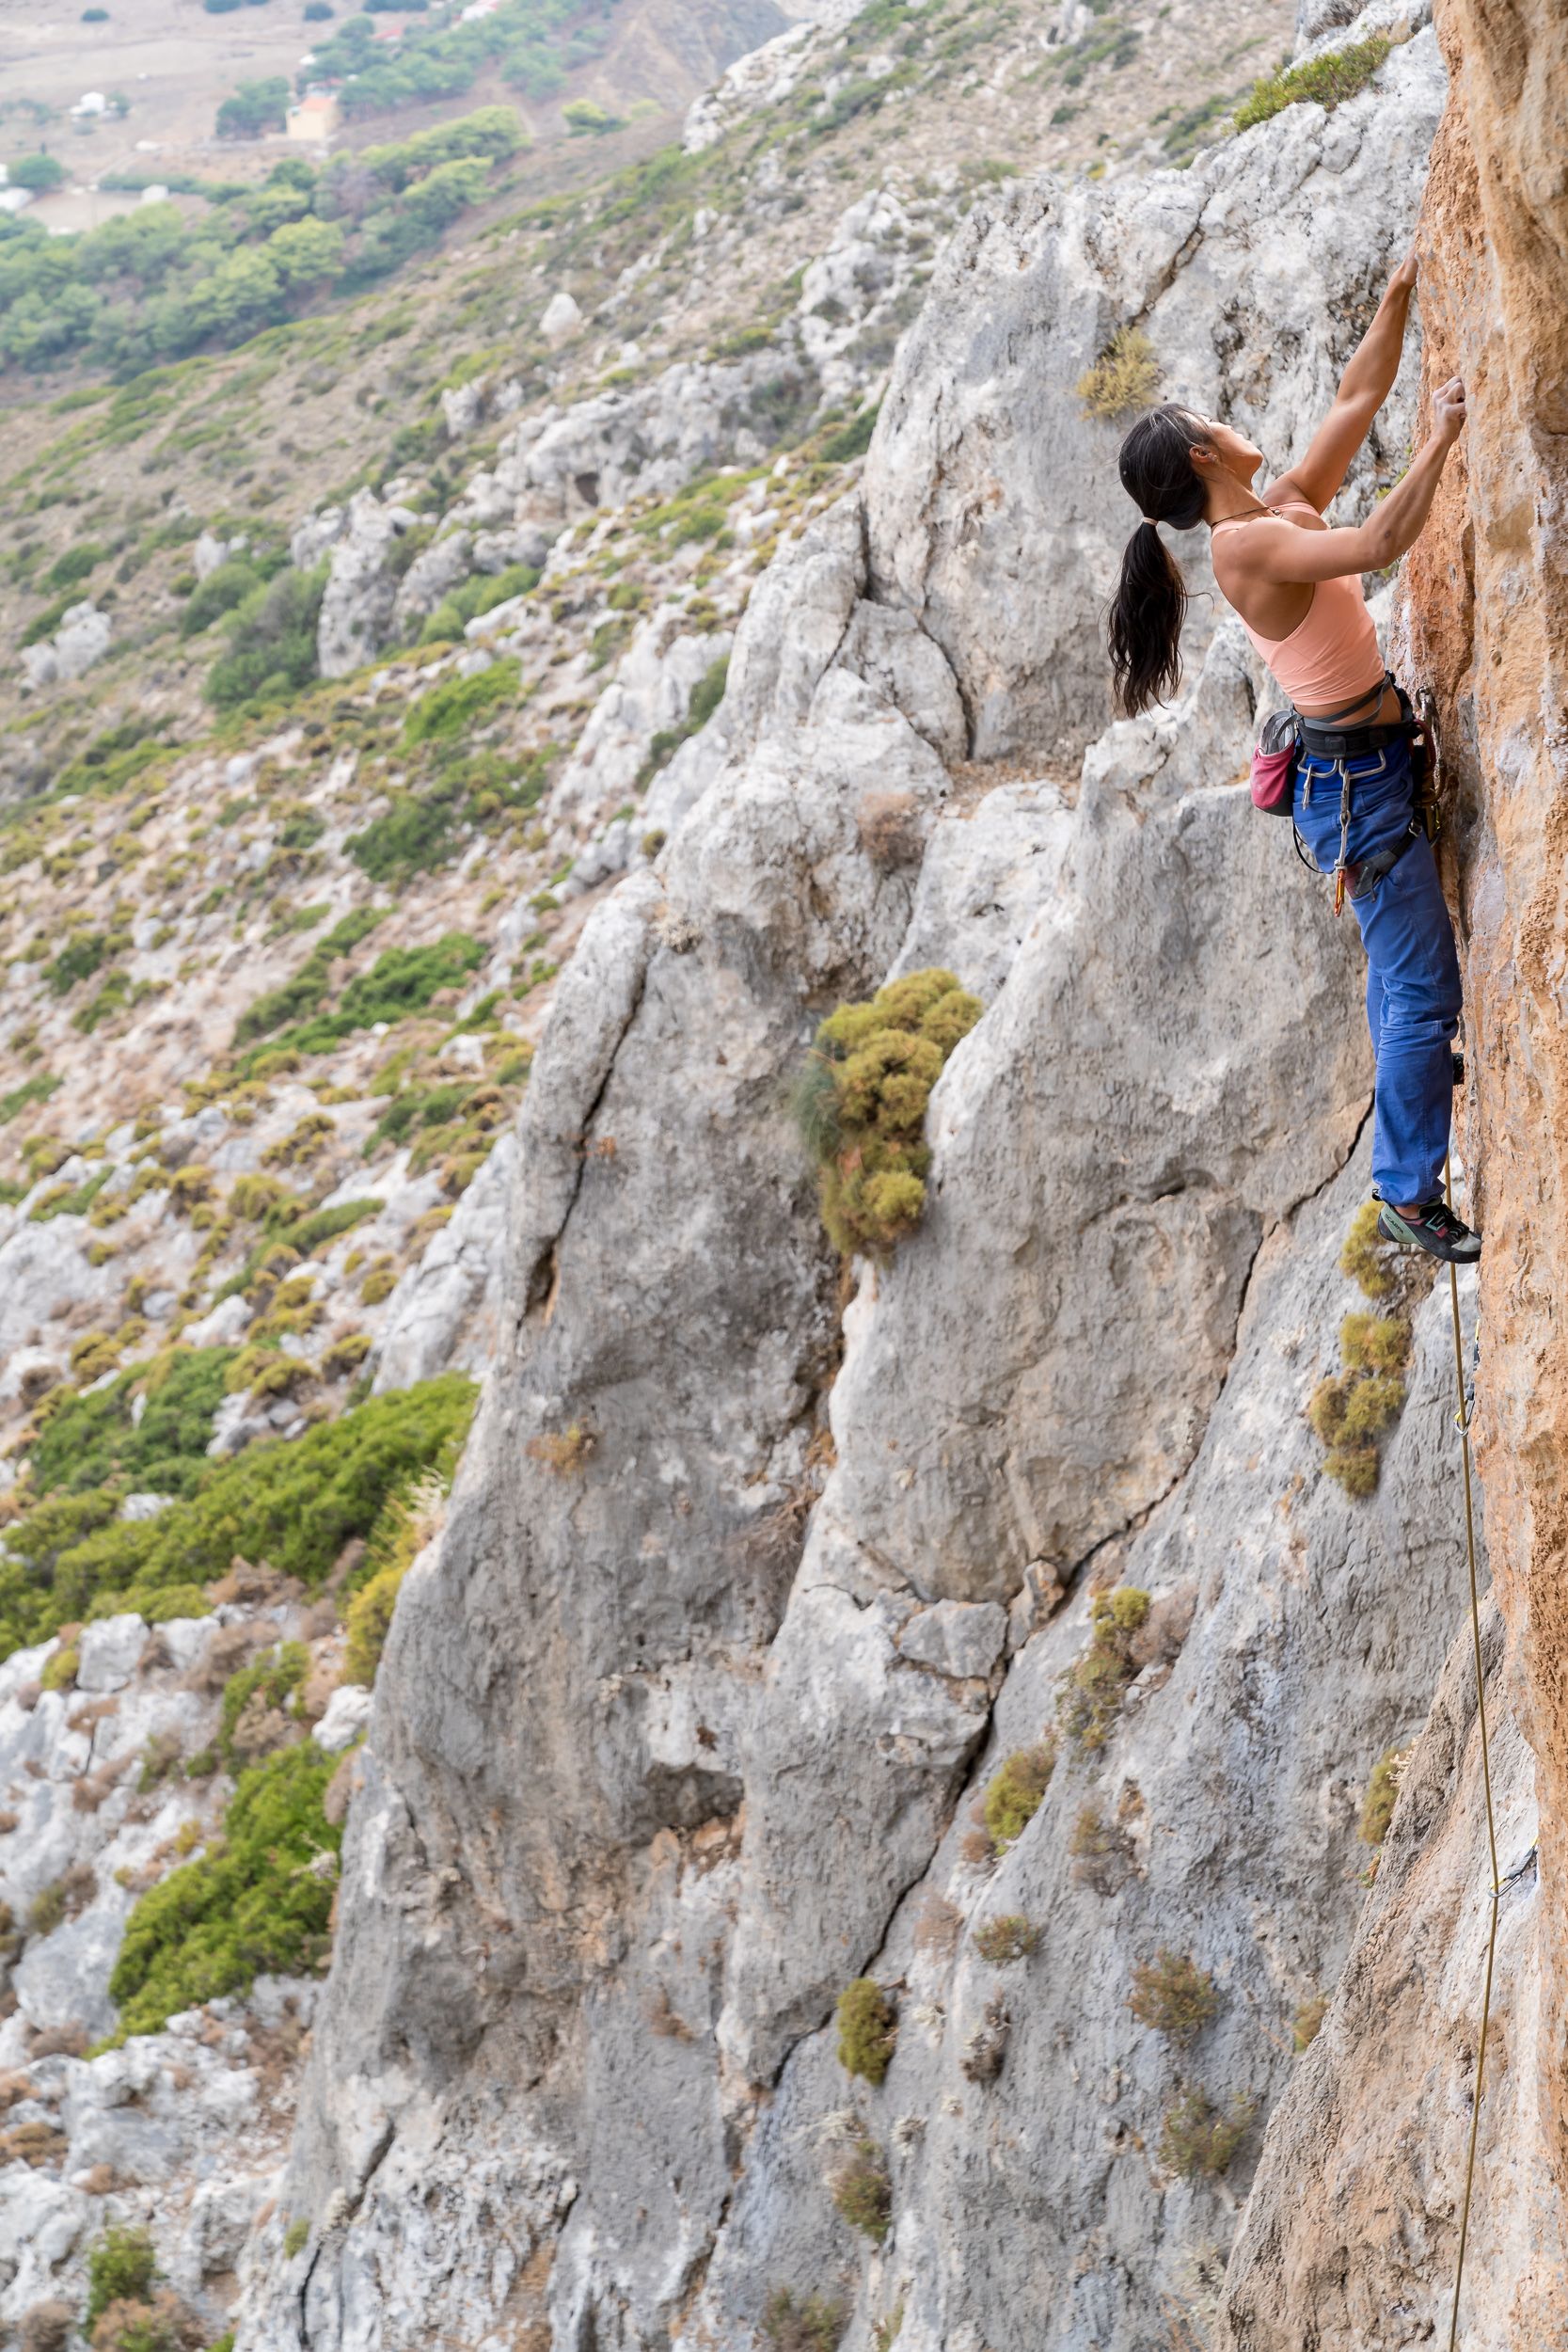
x=1145, y=632
x=1150, y=603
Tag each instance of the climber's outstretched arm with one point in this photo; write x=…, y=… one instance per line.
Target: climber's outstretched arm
x=1363, y=389
x=1284, y=552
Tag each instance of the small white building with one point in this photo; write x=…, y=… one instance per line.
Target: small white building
x=315, y=118
x=91, y=102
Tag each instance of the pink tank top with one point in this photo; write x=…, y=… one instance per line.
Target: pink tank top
x=1333, y=649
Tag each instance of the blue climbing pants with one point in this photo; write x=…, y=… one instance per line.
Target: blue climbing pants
x=1412, y=987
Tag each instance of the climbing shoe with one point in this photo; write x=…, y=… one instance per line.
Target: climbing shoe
x=1433, y=1228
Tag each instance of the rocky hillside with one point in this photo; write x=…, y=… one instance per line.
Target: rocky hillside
x=876, y=1821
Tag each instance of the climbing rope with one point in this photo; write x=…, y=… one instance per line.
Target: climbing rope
x=1462, y=1418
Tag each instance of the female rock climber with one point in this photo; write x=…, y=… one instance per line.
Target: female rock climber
x=1296, y=585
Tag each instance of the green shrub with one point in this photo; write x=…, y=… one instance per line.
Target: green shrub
x=1173, y=1996
x=861, y=1105
x=402, y=980
x=1006, y=1938
x=121, y=2267
x=810, y=2324
x=413, y=837
x=305, y=993
x=862, y=2190
x=867, y=2029
x=295, y=2237
x=78, y=960
x=1375, y=1342
x=405, y=1524
x=1366, y=1257
x=272, y=642
x=294, y=1502
x=706, y=695
x=852, y=439
x=275, y=1677
x=59, y=1671
x=1308, y=2022
x=1125, y=377
x=36, y=1089
x=97, y=1440
x=1327, y=81
x=220, y=593
x=476, y=596
x=448, y=712
x=69, y=569
x=261, y=1903
x=1089, y=1695
x=1015, y=1791
x=1383, y=1795
x=1199, y=2141
x=173, y=1601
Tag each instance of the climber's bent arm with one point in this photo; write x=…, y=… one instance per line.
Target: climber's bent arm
x=1284, y=553
x=1364, y=386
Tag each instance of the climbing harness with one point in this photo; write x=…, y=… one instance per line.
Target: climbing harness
x=1462, y=1420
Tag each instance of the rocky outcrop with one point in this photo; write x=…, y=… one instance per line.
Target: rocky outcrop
x=994, y=510
x=740, y=1608
x=1356, y=2213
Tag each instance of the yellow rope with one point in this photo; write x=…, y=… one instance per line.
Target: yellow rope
x=1463, y=1417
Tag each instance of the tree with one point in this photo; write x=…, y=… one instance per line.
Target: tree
x=255, y=108
x=37, y=173
x=305, y=251
x=582, y=115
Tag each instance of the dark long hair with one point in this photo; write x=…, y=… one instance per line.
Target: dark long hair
x=1150, y=603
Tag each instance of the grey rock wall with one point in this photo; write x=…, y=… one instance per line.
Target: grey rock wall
x=751, y=1580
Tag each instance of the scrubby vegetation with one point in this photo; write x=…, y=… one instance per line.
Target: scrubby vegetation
x=261, y=1901
x=1308, y=2022
x=294, y=1504
x=1014, y=1792
x=121, y=2267
x=1199, y=2140
x=146, y=1431
x=1326, y=81
x=1383, y=1795
x=534, y=45
x=1125, y=377
x=1173, y=1996
x=1090, y=1694
x=1006, y=1938
x=867, y=2029
x=807, y=2323
x=861, y=2187
x=861, y=1104
x=1350, y=1412
x=404, y=1526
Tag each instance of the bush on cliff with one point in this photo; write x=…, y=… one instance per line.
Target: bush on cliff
x=1090, y=1694
x=93, y=1440
x=259, y=1902
x=1199, y=2140
x=294, y=1502
x=861, y=1104
x=1172, y=1994
x=867, y=2029
x=1327, y=81
x=1014, y=1792
x=1125, y=377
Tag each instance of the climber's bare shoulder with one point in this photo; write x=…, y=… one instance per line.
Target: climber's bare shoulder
x=1289, y=486
x=1296, y=548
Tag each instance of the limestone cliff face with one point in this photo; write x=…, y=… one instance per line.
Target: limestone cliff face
x=746, y=1592
x=1355, y=2216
